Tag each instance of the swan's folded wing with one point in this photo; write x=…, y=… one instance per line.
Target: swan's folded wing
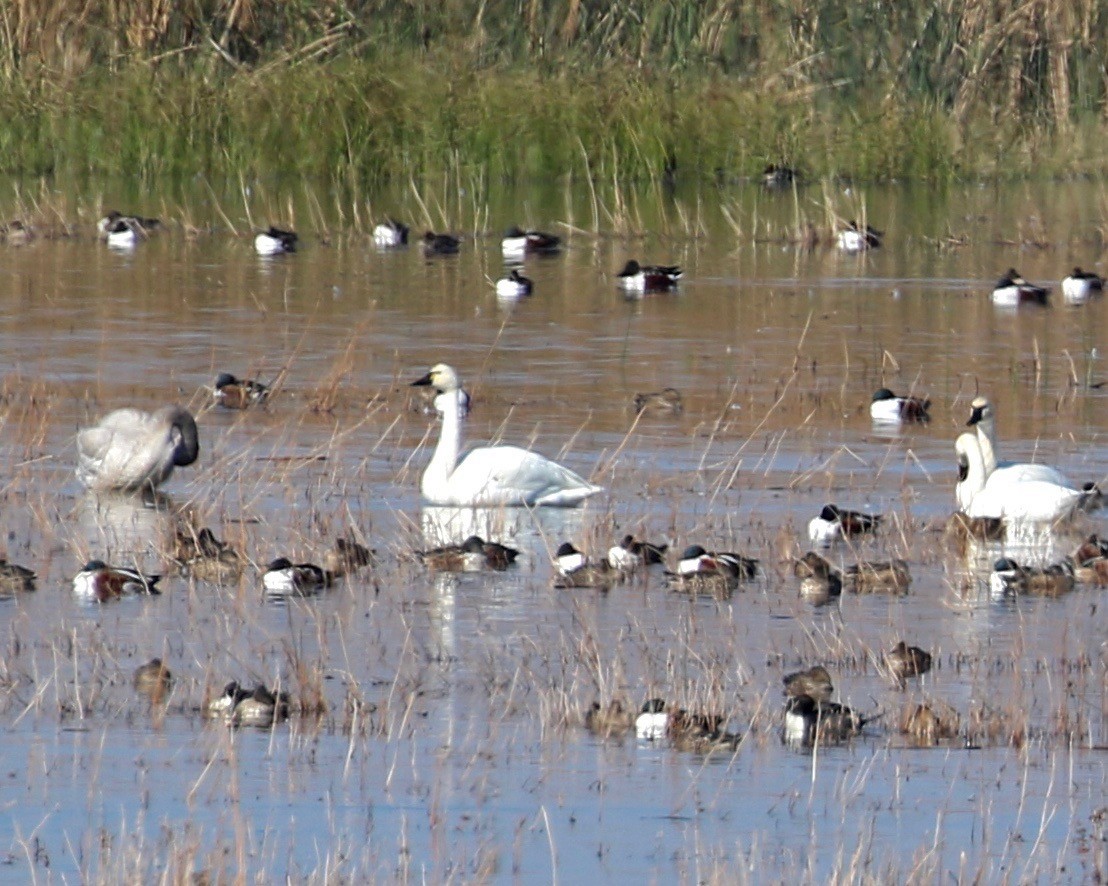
x=533, y=478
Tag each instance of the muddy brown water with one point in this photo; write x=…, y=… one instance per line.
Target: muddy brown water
x=449, y=742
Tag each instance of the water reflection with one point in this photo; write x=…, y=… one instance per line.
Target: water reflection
x=126, y=528
x=537, y=531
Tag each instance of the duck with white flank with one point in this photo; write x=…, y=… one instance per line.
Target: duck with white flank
x=575, y=570
x=134, y=222
x=238, y=393
x=390, y=234
x=636, y=279
x=853, y=238
x=517, y=243
x=99, y=582
x=809, y=722
x=1081, y=286
x=888, y=408
x=131, y=450
x=1012, y=290
x=283, y=578
x=631, y=555
x=834, y=523
x=701, y=572
x=1009, y=579
x=275, y=242
x=489, y=476
x=514, y=285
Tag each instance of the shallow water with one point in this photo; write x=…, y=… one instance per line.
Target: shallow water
x=450, y=741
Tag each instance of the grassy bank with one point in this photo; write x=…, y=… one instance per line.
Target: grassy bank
x=715, y=90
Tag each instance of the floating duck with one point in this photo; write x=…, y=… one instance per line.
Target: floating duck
x=514, y=285
x=284, y=578
x=1009, y=579
x=472, y=555
x=905, y=661
x=517, y=243
x=575, y=570
x=775, y=177
x=814, y=682
x=440, y=244
x=666, y=401
x=1081, y=286
x=345, y=557
x=636, y=279
x=701, y=572
x=224, y=704
x=153, y=680
x=612, y=719
x=930, y=722
x=238, y=393
x=15, y=579
x=1012, y=290
x=889, y=408
x=853, y=238
x=834, y=523
x=136, y=223
x=205, y=557
x=98, y=582
x=260, y=708
x=808, y=722
x=631, y=555
x=131, y=450
x=275, y=242
x=820, y=582
x=872, y=576
x=489, y=476
x=391, y=234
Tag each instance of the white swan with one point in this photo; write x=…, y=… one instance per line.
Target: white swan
x=1003, y=494
x=984, y=419
x=490, y=475
x=131, y=449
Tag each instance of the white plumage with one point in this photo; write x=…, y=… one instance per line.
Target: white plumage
x=130, y=449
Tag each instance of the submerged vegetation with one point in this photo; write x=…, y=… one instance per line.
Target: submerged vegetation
x=368, y=89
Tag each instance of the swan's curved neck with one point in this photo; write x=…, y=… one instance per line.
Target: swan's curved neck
x=986, y=439
x=969, y=456
x=445, y=458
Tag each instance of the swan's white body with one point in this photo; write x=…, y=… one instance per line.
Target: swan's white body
x=984, y=419
x=131, y=449
x=1004, y=494
x=490, y=476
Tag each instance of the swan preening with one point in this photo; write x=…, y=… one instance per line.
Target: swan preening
x=490, y=476
x=130, y=449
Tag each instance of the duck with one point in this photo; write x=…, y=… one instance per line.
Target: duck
x=652, y=721
x=575, y=570
x=1009, y=579
x=17, y=233
x=131, y=450
x=834, y=523
x=889, y=408
x=959, y=528
x=514, y=285
x=123, y=234
x=701, y=572
x=905, y=661
x=472, y=555
x=134, y=222
x=490, y=476
x=1012, y=290
x=699, y=733
x=440, y=244
x=609, y=720
x=1004, y=495
x=1080, y=286
x=284, y=578
x=153, y=680
x=1092, y=548
x=667, y=401
x=815, y=683
x=870, y=576
x=820, y=581
x=238, y=393
x=99, y=582
x=809, y=721
x=928, y=726
x=853, y=238
x=636, y=279
x=260, y=708
x=631, y=555
x=517, y=243
x=983, y=420
x=205, y=557
x=275, y=242
x=391, y=234
x=224, y=704
x=15, y=578
x=345, y=557
x=775, y=177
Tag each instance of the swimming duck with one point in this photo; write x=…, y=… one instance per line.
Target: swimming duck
x=390, y=234
x=651, y=723
x=514, y=285
x=472, y=555
x=853, y=238
x=1092, y=548
x=611, y=720
x=667, y=401
x=575, y=570
x=699, y=733
x=928, y=726
x=636, y=279
x=345, y=557
x=983, y=420
x=631, y=555
x=489, y=476
x=153, y=680
x=870, y=577
x=275, y=242
x=130, y=449
x=1004, y=495
x=889, y=408
x=205, y=557
x=775, y=177
x=814, y=682
x=99, y=582
x=440, y=244
x=238, y=393
x=834, y=523
x=284, y=578
x=1080, y=286
x=15, y=578
x=224, y=704
x=1012, y=290
x=1008, y=578
x=808, y=721
x=701, y=572
x=905, y=661
x=517, y=243
x=123, y=234
x=820, y=581
x=260, y=708
x=134, y=222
